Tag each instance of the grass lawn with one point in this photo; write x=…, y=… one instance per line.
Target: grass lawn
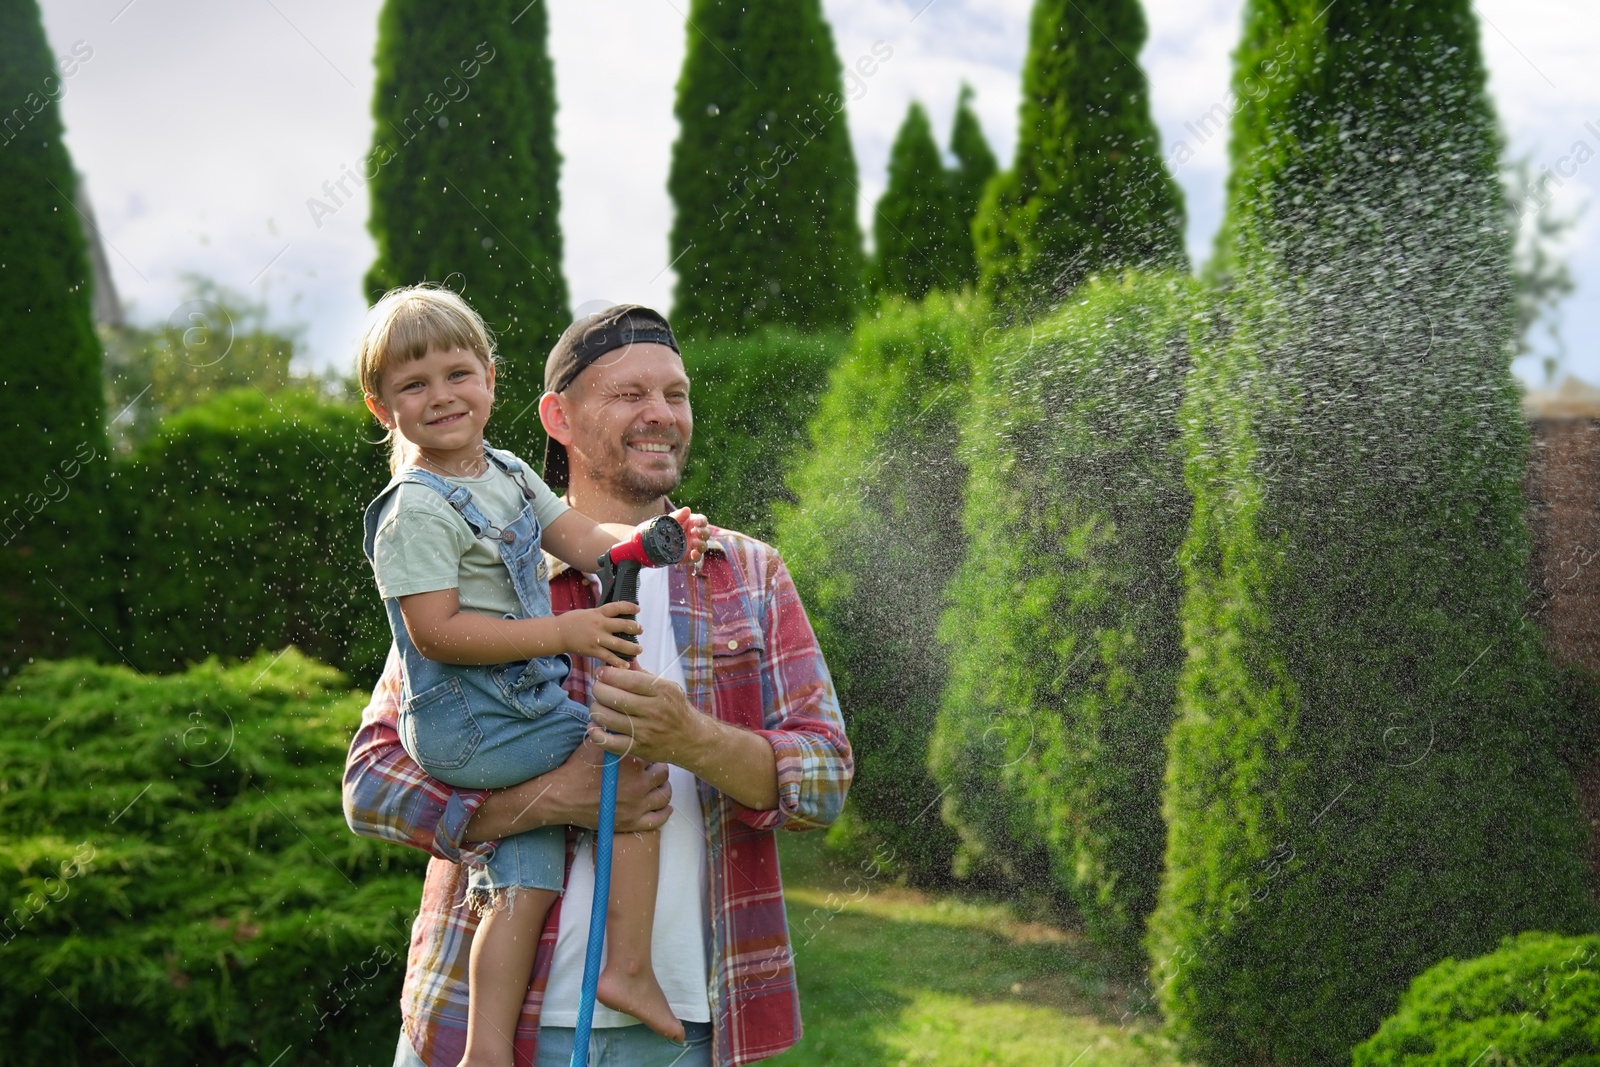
x=890, y=975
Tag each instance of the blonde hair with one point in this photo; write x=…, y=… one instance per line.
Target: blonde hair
x=403, y=327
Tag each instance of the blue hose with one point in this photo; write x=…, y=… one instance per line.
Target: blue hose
x=597, y=914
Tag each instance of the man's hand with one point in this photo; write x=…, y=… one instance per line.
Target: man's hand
x=570, y=795
x=643, y=715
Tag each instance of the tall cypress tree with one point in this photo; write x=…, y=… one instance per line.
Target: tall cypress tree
x=975, y=165
x=763, y=178
x=1087, y=190
x=915, y=229
x=53, y=432
x=1361, y=778
x=464, y=179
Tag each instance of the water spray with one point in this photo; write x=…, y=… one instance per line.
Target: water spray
x=658, y=543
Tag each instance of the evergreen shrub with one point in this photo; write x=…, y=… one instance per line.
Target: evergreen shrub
x=919, y=242
x=1364, y=776
x=872, y=537
x=975, y=165
x=1534, y=1002
x=178, y=881
x=752, y=397
x=1087, y=190
x=1062, y=626
x=53, y=592
x=763, y=177
x=241, y=530
x=464, y=179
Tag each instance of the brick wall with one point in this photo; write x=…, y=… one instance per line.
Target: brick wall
x=1563, y=490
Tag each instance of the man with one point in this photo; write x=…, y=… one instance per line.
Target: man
x=733, y=716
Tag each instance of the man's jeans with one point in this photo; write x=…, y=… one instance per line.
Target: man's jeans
x=609, y=1046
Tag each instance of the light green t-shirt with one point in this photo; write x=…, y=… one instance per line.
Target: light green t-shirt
x=424, y=544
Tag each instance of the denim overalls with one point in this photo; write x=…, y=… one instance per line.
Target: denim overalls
x=485, y=727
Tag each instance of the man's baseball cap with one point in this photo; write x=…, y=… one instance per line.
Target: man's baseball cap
x=585, y=341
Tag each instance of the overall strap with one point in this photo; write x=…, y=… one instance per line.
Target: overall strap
x=512, y=466
x=457, y=496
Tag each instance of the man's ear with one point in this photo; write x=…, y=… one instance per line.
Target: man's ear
x=553, y=413
x=379, y=412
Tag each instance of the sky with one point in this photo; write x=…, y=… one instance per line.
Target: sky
x=203, y=129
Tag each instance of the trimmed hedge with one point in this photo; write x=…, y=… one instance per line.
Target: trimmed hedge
x=1063, y=619
x=872, y=538
x=1363, y=778
x=242, y=531
x=178, y=871
x=752, y=397
x=1534, y=1002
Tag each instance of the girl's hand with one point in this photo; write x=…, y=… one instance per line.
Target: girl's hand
x=599, y=632
x=695, y=533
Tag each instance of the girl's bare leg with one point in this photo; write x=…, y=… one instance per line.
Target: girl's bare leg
x=498, y=972
x=628, y=982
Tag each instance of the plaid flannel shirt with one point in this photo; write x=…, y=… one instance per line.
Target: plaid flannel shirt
x=752, y=660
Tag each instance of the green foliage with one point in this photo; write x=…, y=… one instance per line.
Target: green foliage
x=464, y=178
x=217, y=340
x=752, y=397
x=179, y=883
x=51, y=426
x=917, y=236
x=1063, y=620
x=1087, y=190
x=763, y=178
x=872, y=538
x=242, y=531
x=1534, y=1002
x=975, y=165
x=1363, y=777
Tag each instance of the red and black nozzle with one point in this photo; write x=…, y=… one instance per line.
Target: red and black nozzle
x=658, y=543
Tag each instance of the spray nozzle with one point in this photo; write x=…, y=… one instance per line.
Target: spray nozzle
x=657, y=543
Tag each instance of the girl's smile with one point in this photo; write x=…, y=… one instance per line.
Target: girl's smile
x=439, y=405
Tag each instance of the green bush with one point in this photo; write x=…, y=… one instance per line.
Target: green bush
x=752, y=397
x=242, y=531
x=1364, y=776
x=872, y=538
x=464, y=179
x=1063, y=619
x=53, y=592
x=1535, y=1002
x=178, y=881
x=1087, y=190
x=920, y=242
x=763, y=176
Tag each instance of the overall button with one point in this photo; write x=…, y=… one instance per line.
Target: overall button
x=508, y=536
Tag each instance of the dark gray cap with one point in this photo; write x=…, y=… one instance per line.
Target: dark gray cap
x=585, y=341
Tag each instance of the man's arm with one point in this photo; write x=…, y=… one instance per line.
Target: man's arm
x=796, y=770
x=388, y=797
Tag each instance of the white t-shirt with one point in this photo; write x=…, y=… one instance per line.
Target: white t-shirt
x=678, y=941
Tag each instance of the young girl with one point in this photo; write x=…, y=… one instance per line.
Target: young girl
x=455, y=543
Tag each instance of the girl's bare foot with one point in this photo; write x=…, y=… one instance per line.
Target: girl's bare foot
x=633, y=990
